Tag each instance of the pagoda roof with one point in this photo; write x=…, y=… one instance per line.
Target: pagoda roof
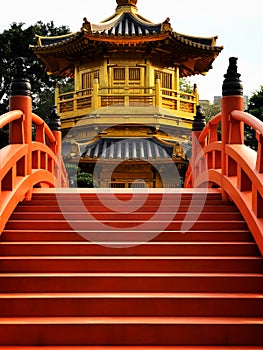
x=126, y=27
x=128, y=149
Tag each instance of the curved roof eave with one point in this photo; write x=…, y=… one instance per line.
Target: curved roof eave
x=46, y=44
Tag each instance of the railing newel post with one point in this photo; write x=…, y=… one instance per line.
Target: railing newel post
x=54, y=124
x=95, y=95
x=232, y=99
x=197, y=128
x=57, y=98
x=20, y=99
x=196, y=97
x=158, y=92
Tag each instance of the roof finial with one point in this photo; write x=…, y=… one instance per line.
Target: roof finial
x=126, y=2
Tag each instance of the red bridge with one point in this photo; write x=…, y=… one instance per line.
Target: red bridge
x=162, y=269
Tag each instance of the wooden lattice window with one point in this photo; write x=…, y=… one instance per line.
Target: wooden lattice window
x=87, y=79
x=134, y=74
x=119, y=74
x=166, y=79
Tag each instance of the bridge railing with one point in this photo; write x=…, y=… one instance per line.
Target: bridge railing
x=27, y=162
x=228, y=163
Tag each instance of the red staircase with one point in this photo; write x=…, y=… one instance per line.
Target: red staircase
x=202, y=289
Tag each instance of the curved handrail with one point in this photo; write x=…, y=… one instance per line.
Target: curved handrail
x=248, y=119
x=25, y=165
x=10, y=117
x=210, y=130
x=40, y=122
x=234, y=167
x=208, y=135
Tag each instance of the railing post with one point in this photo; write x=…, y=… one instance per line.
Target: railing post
x=57, y=93
x=158, y=93
x=196, y=97
x=20, y=99
x=95, y=95
x=54, y=124
x=126, y=96
x=197, y=128
x=232, y=91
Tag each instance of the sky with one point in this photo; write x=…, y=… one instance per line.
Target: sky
x=238, y=25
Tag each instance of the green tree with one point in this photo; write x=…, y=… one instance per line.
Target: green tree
x=85, y=180
x=79, y=178
x=185, y=86
x=210, y=109
x=255, y=107
x=15, y=42
x=255, y=104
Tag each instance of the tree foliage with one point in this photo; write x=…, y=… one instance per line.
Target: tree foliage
x=210, y=109
x=79, y=178
x=255, y=107
x=15, y=42
x=186, y=86
x=255, y=104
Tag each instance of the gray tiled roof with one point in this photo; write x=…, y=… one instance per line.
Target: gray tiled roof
x=127, y=24
x=128, y=149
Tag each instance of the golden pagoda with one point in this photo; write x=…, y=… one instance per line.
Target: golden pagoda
x=127, y=121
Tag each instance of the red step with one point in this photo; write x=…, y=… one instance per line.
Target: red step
x=129, y=248
x=131, y=331
x=174, y=236
x=131, y=304
x=110, y=216
x=128, y=347
x=132, y=282
x=99, y=264
x=149, y=225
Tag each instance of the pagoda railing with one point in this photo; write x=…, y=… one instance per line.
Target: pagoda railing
x=228, y=163
x=97, y=97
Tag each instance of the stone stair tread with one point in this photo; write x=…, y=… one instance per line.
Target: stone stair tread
x=129, y=257
x=130, y=347
x=215, y=231
x=132, y=320
x=124, y=295
x=152, y=243
x=33, y=221
x=129, y=274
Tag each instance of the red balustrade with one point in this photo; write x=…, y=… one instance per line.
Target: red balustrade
x=230, y=164
x=27, y=163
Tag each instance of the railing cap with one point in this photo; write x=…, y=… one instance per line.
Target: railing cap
x=232, y=85
x=53, y=121
x=199, y=120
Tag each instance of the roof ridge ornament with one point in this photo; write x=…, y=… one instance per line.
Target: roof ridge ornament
x=86, y=26
x=166, y=26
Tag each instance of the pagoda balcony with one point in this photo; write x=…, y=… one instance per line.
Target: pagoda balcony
x=85, y=101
